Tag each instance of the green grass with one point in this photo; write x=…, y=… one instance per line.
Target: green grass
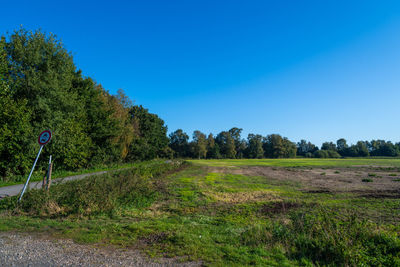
x=220, y=219
x=303, y=162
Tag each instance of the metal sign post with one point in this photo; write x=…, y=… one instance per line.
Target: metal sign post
x=43, y=139
x=47, y=177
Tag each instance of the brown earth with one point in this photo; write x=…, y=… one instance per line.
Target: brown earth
x=329, y=180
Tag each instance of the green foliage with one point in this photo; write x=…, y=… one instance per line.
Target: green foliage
x=341, y=145
x=235, y=133
x=326, y=239
x=326, y=154
x=15, y=130
x=102, y=194
x=15, y=135
x=152, y=137
x=276, y=146
x=255, y=148
x=383, y=148
x=178, y=141
x=305, y=148
x=226, y=144
x=200, y=144
x=328, y=146
x=40, y=89
x=308, y=155
x=212, y=148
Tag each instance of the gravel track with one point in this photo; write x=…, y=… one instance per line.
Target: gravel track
x=13, y=190
x=19, y=249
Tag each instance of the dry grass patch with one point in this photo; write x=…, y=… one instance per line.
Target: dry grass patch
x=242, y=197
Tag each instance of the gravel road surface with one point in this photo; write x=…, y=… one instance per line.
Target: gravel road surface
x=19, y=249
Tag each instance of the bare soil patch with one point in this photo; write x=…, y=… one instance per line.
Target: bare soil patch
x=329, y=179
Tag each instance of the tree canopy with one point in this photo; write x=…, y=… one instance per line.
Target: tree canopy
x=41, y=88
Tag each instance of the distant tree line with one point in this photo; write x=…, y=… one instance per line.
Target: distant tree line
x=41, y=88
x=230, y=144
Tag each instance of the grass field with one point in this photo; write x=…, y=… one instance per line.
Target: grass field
x=222, y=216
x=301, y=162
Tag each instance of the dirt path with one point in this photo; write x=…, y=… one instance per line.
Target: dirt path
x=14, y=190
x=17, y=249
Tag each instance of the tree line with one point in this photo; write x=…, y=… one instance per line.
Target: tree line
x=41, y=88
x=230, y=144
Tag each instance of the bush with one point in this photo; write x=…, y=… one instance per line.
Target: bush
x=326, y=154
x=333, y=154
x=101, y=194
x=321, y=154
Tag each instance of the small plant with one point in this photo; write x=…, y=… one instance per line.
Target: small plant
x=337, y=171
x=393, y=174
x=372, y=174
x=367, y=180
x=396, y=180
x=323, y=173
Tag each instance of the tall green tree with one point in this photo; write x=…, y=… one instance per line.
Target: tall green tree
x=255, y=146
x=275, y=146
x=226, y=144
x=40, y=88
x=329, y=146
x=236, y=136
x=179, y=142
x=15, y=129
x=151, y=140
x=304, y=147
x=342, y=147
x=200, y=144
x=42, y=73
x=213, y=151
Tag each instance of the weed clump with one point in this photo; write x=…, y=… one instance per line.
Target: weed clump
x=367, y=180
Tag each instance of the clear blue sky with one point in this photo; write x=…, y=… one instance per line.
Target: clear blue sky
x=314, y=70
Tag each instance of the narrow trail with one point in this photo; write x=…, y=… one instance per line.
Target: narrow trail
x=14, y=190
